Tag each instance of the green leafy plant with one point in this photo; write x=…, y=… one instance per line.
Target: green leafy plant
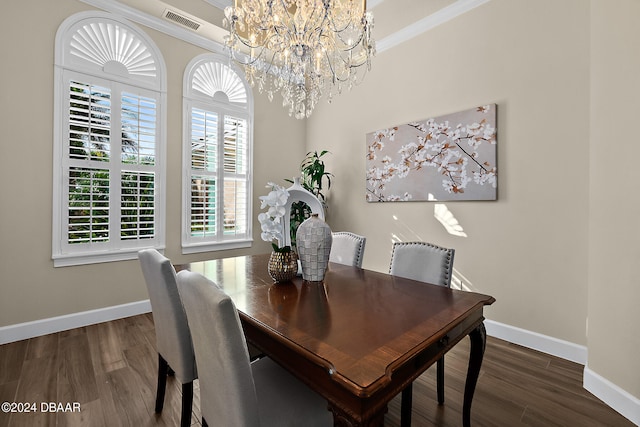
x=314, y=173
x=313, y=176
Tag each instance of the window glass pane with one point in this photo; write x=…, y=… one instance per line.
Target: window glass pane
x=235, y=141
x=235, y=206
x=204, y=140
x=88, y=205
x=89, y=122
x=137, y=205
x=203, y=206
x=138, y=129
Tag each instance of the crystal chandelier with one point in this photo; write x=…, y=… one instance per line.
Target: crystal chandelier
x=304, y=49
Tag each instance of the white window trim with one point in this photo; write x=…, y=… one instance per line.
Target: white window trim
x=128, y=250
x=195, y=99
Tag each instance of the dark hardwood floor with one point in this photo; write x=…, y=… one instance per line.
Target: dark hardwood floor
x=109, y=370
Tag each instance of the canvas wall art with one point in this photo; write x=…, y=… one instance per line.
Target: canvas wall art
x=451, y=157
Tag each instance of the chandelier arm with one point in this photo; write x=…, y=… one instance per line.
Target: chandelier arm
x=246, y=43
x=334, y=75
x=284, y=7
x=334, y=27
x=324, y=16
x=325, y=21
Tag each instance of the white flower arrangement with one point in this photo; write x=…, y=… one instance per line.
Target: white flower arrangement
x=271, y=221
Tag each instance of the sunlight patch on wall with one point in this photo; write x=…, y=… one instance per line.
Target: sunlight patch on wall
x=460, y=282
x=405, y=233
x=448, y=221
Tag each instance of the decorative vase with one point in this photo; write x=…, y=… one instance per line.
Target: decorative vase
x=313, y=241
x=283, y=266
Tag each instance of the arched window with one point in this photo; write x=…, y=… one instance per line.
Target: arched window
x=218, y=125
x=109, y=141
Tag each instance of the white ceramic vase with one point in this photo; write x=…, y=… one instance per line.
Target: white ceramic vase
x=313, y=241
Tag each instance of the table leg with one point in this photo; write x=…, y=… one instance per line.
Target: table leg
x=478, y=339
x=406, y=406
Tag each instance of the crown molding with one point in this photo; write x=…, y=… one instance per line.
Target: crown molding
x=220, y=4
x=157, y=23
x=427, y=23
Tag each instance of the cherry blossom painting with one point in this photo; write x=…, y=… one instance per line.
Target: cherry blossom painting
x=451, y=157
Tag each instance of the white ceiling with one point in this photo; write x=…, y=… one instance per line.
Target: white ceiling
x=209, y=13
x=395, y=20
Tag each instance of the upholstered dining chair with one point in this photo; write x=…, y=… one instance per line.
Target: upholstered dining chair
x=173, y=338
x=347, y=248
x=234, y=391
x=429, y=263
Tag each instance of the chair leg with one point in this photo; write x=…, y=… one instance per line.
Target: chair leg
x=440, y=380
x=187, y=400
x=163, y=368
x=405, y=406
x=254, y=353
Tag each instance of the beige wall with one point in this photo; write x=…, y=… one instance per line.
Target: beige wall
x=31, y=288
x=528, y=249
x=614, y=249
x=557, y=248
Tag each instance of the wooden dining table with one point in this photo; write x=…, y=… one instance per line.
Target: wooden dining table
x=359, y=337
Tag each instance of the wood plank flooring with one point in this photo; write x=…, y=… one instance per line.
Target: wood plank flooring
x=109, y=369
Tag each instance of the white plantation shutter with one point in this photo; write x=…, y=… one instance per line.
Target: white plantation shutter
x=139, y=121
x=217, y=193
x=204, y=168
x=88, y=149
x=108, y=148
x=235, y=176
x=203, y=207
x=88, y=220
x=111, y=167
x=89, y=122
x=138, y=205
x=138, y=155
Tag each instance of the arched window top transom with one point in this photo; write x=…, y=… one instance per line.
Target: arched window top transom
x=101, y=43
x=210, y=77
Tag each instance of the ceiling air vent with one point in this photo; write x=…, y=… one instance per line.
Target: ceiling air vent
x=181, y=19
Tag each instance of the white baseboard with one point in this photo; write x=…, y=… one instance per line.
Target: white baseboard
x=22, y=331
x=615, y=397
x=544, y=343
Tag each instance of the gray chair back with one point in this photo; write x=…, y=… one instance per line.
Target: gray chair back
x=422, y=261
x=347, y=248
x=227, y=390
x=173, y=338
x=428, y=263
x=233, y=391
